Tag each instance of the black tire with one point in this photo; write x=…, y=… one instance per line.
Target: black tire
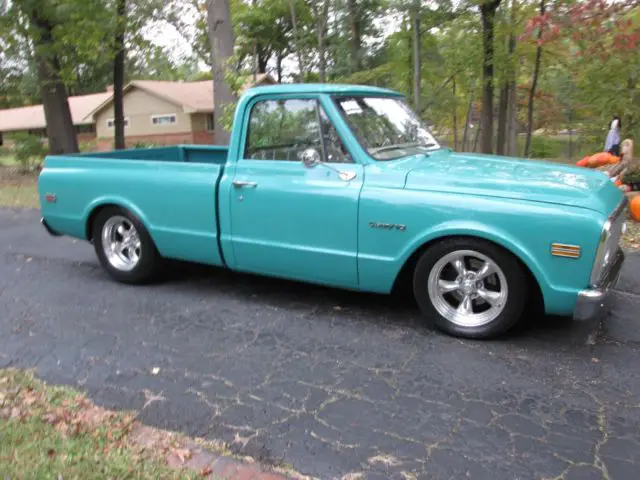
x=516, y=281
x=149, y=263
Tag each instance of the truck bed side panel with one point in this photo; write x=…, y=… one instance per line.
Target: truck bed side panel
x=174, y=153
x=176, y=201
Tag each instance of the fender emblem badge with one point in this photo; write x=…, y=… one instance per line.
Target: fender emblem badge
x=50, y=198
x=388, y=226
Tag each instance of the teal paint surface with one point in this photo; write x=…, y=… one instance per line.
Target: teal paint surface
x=307, y=224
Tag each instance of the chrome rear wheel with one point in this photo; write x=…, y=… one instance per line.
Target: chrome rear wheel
x=121, y=243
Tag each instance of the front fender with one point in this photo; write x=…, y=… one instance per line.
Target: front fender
x=526, y=229
x=490, y=233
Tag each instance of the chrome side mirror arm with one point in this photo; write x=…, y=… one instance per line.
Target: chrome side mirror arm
x=311, y=158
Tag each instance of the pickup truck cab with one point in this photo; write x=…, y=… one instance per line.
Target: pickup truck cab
x=343, y=185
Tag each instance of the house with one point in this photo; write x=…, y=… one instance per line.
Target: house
x=31, y=119
x=156, y=112
x=163, y=113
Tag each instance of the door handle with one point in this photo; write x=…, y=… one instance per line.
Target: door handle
x=244, y=184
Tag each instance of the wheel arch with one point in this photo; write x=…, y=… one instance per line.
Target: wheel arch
x=534, y=274
x=99, y=205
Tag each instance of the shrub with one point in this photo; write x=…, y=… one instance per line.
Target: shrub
x=545, y=147
x=29, y=151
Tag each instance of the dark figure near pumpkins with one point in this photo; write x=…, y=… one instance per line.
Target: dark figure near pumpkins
x=612, y=143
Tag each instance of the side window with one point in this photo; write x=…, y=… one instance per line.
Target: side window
x=282, y=129
x=336, y=151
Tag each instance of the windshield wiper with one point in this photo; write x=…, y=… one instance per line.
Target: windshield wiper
x=402, y=145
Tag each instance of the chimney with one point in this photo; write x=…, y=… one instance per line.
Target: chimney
x=109, y=88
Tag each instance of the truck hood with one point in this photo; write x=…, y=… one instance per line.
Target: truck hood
x=512, y=178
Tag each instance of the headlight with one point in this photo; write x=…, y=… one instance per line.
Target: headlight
x=602, y=254
x=612, y=232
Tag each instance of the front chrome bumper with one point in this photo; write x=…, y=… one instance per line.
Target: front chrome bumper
x=594, y=302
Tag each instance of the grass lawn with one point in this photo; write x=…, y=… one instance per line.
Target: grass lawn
x=54, y=432
x=18, y=190
x=7, y=160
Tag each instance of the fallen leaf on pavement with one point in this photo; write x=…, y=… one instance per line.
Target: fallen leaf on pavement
x=155, y=370
x=182, y=453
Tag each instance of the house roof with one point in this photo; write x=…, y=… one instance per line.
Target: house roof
x=192, y=97
x=32, y=117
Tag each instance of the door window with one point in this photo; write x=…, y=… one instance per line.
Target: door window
x=282, y=129
x=335, y=149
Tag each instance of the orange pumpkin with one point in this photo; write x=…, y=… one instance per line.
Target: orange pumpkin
x=634, y=208
x=602, y=158
x=584, y=162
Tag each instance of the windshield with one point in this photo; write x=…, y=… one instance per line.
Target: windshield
x=386, y=127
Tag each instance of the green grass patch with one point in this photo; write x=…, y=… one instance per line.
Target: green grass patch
x=55, y=432
x=18, y=190
x=7, y=160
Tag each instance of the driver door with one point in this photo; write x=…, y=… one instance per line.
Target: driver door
x=289, y=220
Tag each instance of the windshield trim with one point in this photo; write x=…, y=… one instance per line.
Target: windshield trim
x=336, y=96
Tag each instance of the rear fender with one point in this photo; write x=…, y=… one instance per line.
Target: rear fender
x=111, y=200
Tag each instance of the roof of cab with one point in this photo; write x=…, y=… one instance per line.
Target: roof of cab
x=328, y=88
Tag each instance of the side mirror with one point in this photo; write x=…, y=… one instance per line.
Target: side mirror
x=311, y=158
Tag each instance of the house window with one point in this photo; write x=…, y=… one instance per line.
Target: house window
x=111, y=123
x=89, y=128
x=164, y=119
x=210, y=125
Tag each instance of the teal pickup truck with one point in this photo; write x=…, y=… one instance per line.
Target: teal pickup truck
x=344, y=186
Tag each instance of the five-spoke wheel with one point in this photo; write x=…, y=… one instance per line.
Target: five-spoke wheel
x=121, y=243
x=124, y=247
x=469, y=287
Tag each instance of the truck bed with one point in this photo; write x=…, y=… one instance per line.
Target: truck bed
x=174, y=153
x=173, y=190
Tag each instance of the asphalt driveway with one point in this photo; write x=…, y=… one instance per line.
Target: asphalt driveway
x=334, y=383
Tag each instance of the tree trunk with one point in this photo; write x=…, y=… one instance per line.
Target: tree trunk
x=455, y=116
x=417, y=59
x=465, y=134
x=61, y=133
x=118, y=76
x=322, y=17
x=263, y=61
x=488, y=13
x=221, y=39
x=296, y=40
x=511, y=148
x=279, y=67
x=511, y=140
x=356, y=40
x=475, y=142
x=534, y=84
x=503, y=108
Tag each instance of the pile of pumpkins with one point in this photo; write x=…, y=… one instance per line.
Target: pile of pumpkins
x=607, y=162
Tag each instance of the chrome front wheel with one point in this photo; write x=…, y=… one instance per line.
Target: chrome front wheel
x=468, y=288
